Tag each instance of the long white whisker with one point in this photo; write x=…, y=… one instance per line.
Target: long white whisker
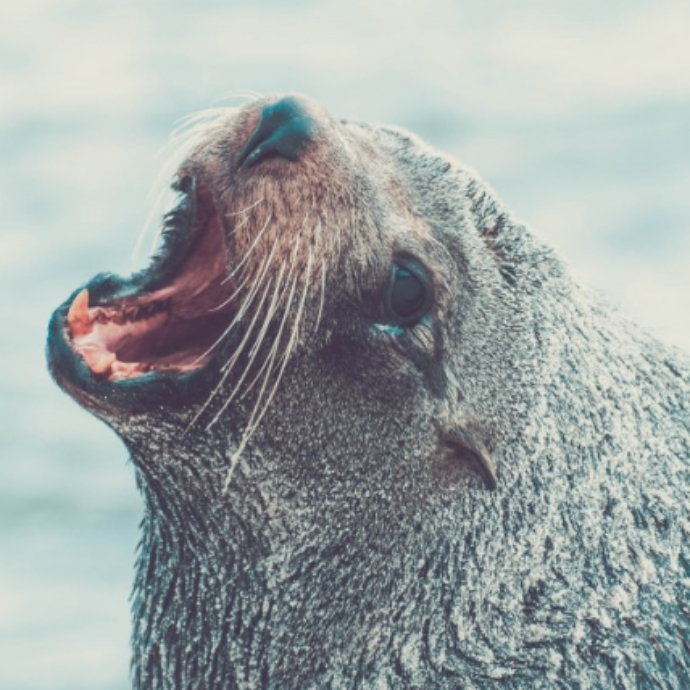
x=246, y=95
x=270, y=360
x=220, y=338
x=264, y=327
x=238, y=226
x=262, y=270
x=321, y=250
x=278, y=337
x=255, y=419
x=243, y=309
x=246, y=209
x=226, y=369
x=252, y=354
x=269, y=312
x=236, y=292
x=280, y=330
x=254, y=243
x=322, y=298
x=188, y=132
x=288, y=305
x=266, y=263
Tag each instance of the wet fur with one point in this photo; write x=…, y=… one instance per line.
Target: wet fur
x=353, y=548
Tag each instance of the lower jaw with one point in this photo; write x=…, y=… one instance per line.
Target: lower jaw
x=110, y=398
x=117, y=345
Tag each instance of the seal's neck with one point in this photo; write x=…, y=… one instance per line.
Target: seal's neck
x=254, y=605
x=200, y=609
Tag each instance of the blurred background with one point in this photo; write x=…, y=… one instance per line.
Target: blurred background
x=578, y=113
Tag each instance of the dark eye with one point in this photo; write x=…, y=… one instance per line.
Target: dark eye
x=410, y=293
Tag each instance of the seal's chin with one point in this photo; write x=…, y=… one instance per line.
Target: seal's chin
x=165, y=320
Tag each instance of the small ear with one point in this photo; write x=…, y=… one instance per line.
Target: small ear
x=465, y=446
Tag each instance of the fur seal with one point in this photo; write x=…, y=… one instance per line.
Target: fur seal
x=384, y=438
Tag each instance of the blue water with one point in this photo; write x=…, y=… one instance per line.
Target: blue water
x=578, y=113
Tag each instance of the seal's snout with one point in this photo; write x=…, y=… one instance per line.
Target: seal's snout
x=285, y=130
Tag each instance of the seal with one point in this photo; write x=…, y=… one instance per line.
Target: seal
x=384, y=438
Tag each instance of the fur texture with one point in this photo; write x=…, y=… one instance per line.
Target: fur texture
x=352, y=546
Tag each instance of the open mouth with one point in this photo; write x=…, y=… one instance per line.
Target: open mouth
x=169, y=317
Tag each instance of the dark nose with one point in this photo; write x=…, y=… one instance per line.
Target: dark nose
x=284, y=130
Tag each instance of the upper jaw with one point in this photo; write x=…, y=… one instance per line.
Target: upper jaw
x=161, y=329
x=120, y=341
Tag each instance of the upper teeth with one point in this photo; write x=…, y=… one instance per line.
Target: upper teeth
x=97, y=345
x=80, y=317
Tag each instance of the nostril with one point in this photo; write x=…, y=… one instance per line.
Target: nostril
x=284, y=130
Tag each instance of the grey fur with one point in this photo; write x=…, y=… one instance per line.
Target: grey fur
x=352, y=548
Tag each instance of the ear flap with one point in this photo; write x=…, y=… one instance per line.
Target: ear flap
x=466, y=447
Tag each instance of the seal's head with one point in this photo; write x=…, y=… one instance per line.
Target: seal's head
x=342, y=343
x=324, y=251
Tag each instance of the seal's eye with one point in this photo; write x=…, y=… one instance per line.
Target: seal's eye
x=410, y=293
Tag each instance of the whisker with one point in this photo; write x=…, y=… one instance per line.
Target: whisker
x=245, y=373
x=271, y=309
x=254, y=243
x=322, y=299
x=243, y=308
x=246, y=95
x=245, y=210
x=265, y=264
x=321, y=249
x=270, y=360
x=276, y=342
x=236, y=387
x=237, y=291
x=262, y=333
x=177, y=148
x=226, y=369
x=255, y=419
x=188, y=122
x=278, y=337
x=293, y=264
x=224, y=334
x=262, y=270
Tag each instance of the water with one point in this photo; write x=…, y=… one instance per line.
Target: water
x=576, y=112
